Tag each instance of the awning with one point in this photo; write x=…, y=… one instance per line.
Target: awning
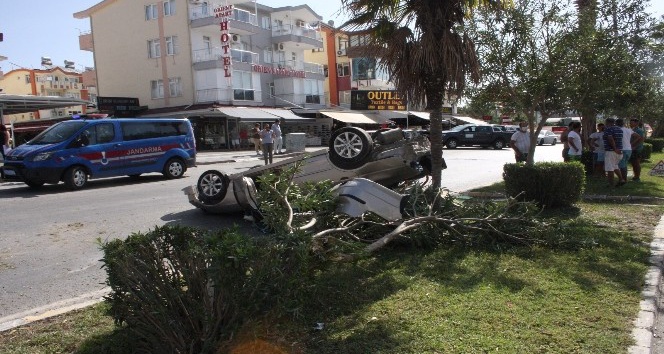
x=465, y=120
x=13, y=104
x=249, y=115
x=353, y=118
x=423, y=115
x=287, y=115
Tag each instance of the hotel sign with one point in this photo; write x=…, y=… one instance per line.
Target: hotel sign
x=224, y=12
x=277, y=71
x=377, y=100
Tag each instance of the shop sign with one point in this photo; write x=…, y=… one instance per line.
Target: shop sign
x=117, y=103
x=224, y=12
x=377, y=100
x=278, y=71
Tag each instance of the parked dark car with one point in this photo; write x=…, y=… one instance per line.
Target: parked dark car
x=473, y=134
x=385, y=157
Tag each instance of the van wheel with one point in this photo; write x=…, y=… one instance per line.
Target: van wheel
x=212, y=186
x=452, y=143
x=76, y=177
x=34, y=185
x=174, y=168
x=498, y=144
x=349, y=147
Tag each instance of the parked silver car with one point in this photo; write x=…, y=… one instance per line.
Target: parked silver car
x=547, y=137
x=385, y=157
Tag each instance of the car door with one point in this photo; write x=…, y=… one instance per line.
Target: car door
x=467, y=135
x=483, y=135
x=100, y=150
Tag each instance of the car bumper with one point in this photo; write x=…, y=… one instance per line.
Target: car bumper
x=12, y=172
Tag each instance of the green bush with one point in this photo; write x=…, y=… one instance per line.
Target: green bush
x=549, y=184
x=657, y=144
x=647, y=151
x=184, y=290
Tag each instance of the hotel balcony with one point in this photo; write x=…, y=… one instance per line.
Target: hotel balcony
x=297, y=37
x=312, y=68
x=244, y=97
x=216, y=54
x=242, y=22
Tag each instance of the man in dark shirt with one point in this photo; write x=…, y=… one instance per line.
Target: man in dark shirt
x=613, y=152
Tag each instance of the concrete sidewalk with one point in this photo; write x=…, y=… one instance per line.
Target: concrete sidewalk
x=209, y=157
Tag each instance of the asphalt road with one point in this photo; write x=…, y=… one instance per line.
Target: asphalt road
x=49, y=241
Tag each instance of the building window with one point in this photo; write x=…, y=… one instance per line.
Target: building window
x=151, y=12
x=154, y=48
x=242, y=86
x=265, y=22
x=267, y=56
x=171, y=45
x=169, y=7
x=343, y=69
x=342, y=43
x=157, y=88
x=271, y=89
x=326, y=70
x=175, y=86
x=207, y=44
x=312, y=95
x=27, y=79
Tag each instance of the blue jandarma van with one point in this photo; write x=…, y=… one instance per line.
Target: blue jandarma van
x=75, y=150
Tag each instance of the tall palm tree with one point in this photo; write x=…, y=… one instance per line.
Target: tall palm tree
x=423, y=46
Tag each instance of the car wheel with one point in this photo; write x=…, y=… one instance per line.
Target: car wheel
x=498, y=144
x=452, y=144
x=540, y=142
x=33, y=184
x=76, y=177
x=350, y=147
x=212, y=186
x=554, y=142
x=174, y=168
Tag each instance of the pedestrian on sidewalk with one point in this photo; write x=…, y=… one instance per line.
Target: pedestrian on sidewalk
x=235, y=139
x=627, y=146
x=563, y=138
x=256, y=137
x=637, y=148
x=267, y=137
x=278, y=142
x=613, y=152
x=520, y=143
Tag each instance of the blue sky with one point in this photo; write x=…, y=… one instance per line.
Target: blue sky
x=36, y=28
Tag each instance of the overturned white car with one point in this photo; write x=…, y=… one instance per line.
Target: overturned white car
x=385, y=157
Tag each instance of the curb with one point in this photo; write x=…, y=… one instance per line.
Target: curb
x=644, y=324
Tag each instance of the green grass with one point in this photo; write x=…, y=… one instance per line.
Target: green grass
x=446, y=300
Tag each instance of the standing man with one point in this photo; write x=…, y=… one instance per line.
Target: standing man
x=613, y=152
x=597, y=147
x=563, y=138
x=267, y=136
x=256, y=137
x=520, y=143
x=637, y=148
x=574, y=142
x=626, y=146
x=276, y=128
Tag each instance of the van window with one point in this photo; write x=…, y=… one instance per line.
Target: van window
x=146, y=130
x=57, y=133
x=98, y=134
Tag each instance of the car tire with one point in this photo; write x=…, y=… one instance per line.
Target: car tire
x=554, y=142
x=452, y=144
x=212, y=186
x=498, y=144
x=540, y=142
x=349, y=147
x=76, y=177
x=174, y=168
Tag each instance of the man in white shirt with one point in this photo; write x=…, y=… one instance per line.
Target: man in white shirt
x=278, y=142
x=597, y=147
x=520, y=142
x=574, y=142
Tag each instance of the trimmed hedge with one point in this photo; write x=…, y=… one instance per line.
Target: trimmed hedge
x=657, y=144
x=549, y=184
x=647, y=151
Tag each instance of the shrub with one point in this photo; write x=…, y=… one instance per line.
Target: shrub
x=647, y=151
x=657, y=144
x=183, y=290
x=549, y=184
